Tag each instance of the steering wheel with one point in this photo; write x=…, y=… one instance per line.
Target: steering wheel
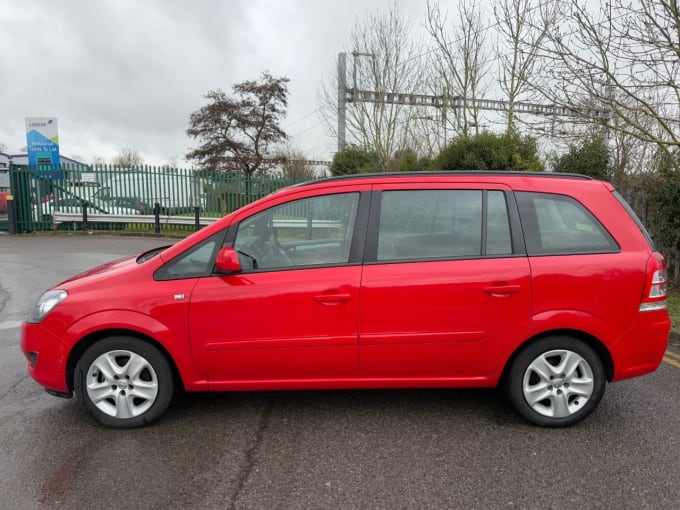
x=267, y=251
x=275, y=255
x=278, y=247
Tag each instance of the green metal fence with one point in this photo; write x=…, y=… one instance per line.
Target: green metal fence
x=131, y=191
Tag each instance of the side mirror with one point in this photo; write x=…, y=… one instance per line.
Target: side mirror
x=227, y=261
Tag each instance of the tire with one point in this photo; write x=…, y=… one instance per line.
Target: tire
x=124, y=382
x=556, y=382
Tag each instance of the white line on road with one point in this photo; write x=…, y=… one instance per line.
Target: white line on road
x=10, y=324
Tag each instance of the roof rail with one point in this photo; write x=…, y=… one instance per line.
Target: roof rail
x=440, y=173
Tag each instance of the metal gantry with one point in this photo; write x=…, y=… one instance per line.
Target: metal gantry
x=356, y=95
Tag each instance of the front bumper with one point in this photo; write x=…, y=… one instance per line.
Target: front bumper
x=47, y=358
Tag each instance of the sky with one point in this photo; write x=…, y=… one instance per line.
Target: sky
x=128, y=73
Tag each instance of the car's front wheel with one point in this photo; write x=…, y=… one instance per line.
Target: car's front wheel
x=556, y=381
x=124, y=382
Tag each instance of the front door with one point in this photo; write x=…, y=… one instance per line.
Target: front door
x=243, y=327
x=291, y=315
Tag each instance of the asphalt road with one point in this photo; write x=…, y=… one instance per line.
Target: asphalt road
x=329, y=449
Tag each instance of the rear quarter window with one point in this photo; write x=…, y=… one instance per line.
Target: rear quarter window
x=557, y=224
x=636, y=219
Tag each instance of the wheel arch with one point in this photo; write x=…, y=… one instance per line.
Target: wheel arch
x=87, y=341
x=593, y=342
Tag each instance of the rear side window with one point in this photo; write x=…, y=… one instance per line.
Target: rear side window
x=443, y=224
x=636, y=219
x=556, y=225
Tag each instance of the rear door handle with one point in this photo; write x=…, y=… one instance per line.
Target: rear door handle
x=502, y=290
x=332, y=299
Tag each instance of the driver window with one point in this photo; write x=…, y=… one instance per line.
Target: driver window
x=308, y=232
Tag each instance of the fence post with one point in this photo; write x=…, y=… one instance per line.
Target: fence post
x=197, y=217
x=11, y=215
x=85, y=226
x=157, y=218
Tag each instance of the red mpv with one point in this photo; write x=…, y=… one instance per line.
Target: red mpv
x=546, y=285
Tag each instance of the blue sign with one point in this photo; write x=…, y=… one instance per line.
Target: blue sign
x=42, y=143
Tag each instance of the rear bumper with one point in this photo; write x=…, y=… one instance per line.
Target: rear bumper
x=641, y=350
x=47, y=358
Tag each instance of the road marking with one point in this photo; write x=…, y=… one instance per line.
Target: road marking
x=672, y=355
x=10, y=324
x=672, y=359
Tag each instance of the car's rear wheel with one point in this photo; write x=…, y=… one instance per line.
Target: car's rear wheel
x=124, y=382
x=556, y=381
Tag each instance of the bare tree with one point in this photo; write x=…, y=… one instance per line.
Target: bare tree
x=240, y=133
x=385, y=60
x=3, y=147
x=461, y=61
x=630, y=156
x=76, y=157
x=294, y=164
x=522, y=28
x=618, y=64
x=172, y=162
x=127, y=158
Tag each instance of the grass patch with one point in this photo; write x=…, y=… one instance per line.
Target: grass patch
x=674, y=306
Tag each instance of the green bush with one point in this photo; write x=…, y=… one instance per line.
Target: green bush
x=354, y=160
x=488, y=151
x=589, y=157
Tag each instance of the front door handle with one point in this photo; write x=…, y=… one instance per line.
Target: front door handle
x=332, y=299
x=502, y=290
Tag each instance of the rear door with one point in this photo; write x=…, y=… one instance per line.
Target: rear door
x=446, y=285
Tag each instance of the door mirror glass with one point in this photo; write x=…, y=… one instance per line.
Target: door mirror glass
x=227, y=261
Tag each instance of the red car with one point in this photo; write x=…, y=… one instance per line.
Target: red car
x=546, y=285
x=3, y=201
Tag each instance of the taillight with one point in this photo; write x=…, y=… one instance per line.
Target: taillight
x=656, y=283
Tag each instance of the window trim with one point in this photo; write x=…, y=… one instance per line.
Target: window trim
x=359, y=235
x=516, y=232
x=482, y=237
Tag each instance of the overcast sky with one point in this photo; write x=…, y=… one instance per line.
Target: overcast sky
x=128, y=73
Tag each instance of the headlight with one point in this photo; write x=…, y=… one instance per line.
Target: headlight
x=44, y=305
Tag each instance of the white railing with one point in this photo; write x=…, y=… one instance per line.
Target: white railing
x=64, y=217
